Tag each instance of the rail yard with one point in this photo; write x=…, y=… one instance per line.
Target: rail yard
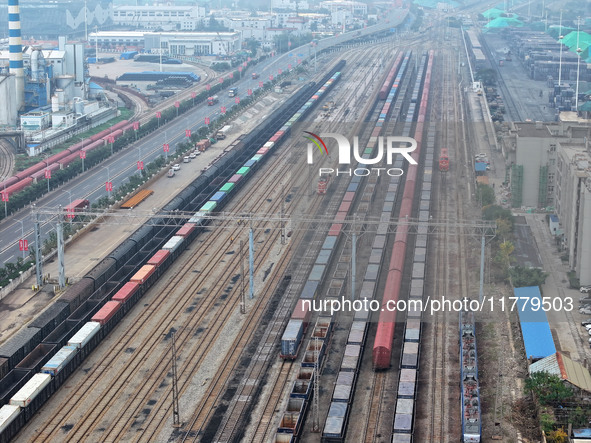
x=215, y=320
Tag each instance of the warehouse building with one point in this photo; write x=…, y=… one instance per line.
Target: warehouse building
x=172, y=43
x=165, y=17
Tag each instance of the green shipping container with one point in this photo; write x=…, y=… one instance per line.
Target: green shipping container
x=243, y=170
x=208, y=207
x=227, y=187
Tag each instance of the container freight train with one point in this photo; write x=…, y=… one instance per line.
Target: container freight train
x=342, y=397
x=382, y=349
x=90, y=309
x=469, y=384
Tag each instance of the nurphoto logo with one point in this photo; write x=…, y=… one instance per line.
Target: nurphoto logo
x=394, y=145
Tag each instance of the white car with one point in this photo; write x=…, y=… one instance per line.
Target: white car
x=585, y=289
x=585, y=311
x=176, y=167
x=587, y=327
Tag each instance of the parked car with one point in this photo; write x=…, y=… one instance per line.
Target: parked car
x=587, y=327
x=192, y=155
x=586, y=322
x=585, y=311
x=176, y=167
x=585, y=289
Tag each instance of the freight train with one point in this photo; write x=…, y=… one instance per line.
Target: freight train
x=336, y=422
x=62, y=159
x=469, y=384
x=110, y=289
x=382, y=349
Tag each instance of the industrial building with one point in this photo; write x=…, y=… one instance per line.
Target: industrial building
x=159, y=17
x=551, y=168
x=573, y=202
x=172, y=43
x=46, y=91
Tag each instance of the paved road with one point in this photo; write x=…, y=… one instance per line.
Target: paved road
x=91, y=185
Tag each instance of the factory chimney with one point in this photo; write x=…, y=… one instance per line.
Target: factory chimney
x=16, y=51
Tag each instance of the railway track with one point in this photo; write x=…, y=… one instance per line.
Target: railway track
x=450, y=280
x=6, y=160
x=152, y=344
x=236, y=412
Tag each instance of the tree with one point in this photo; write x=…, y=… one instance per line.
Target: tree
x=522, y=276
x=487, y=76
x=494, y=212
x=548, y=388
x=252, y=44
x=314, y=26
x=503, y=258
x=504, y=229
x=485, y=194
x=557, y=436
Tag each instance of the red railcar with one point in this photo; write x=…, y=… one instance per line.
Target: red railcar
x=385, y=89
x=382, y=348
x=443, y=160
x=77, y=205
x=18, y=186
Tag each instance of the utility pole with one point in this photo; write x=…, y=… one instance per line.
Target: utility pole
x=60, y=254
x=315, y=409
x=242, y=291
x=38, y=254
x=176, y=421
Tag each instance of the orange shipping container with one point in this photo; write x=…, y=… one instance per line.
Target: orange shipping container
x=126, y=292
x=143, y=274
x=106, y=312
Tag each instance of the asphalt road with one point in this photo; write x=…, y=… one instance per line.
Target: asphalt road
x=91, y=184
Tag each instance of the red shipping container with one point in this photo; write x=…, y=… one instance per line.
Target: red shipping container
x=126, y=292
x=274, y=138
x=106, y=312
x=143, y=274
x=335, y=229
x=158, y=258
x=235, y=178
x=263, y=151
x=302, y=313
x=345, y=206
x=186, y=230
x=348, y=196
x=340, y=217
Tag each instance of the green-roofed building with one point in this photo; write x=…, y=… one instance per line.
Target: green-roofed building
x=503, y=22
x=570, y=40
x=555, y=30
x=492, y=13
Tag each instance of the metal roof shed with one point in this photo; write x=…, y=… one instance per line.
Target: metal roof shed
x=537, y=337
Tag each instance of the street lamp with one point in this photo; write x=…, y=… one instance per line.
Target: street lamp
x=70, y=194
x=140, y=165
x=109, y=183
x=579, y=50
x=22, y=222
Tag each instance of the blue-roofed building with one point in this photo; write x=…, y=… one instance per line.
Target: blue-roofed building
x=480, y=167
x=537, y=337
